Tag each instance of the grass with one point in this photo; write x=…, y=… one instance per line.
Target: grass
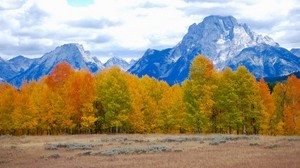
x=135, y=150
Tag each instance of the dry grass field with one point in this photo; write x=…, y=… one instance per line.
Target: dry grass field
x=133, y=151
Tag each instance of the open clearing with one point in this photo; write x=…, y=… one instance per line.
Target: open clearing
x=135, y=150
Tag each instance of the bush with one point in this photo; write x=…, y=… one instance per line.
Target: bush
x=254, y=144
x=271, y=146
x=121, y=139
x=69, y=146
x=294, y=139
x=54, y=156
x=132, y=150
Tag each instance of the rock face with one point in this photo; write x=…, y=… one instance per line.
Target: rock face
x=115, y=61
x=226, y=43
x=296, y=51
x=6, y=70
x=74, y=54
x=21, y=63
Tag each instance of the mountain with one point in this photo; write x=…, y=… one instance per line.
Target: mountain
x=2, y=80
x=6, y=70
x=72, y=53
x=281, y=78
x=20, y=63
x=115, y=61
x=226, y=43
x=296, y=51
x=266, y=61
x=132, y=62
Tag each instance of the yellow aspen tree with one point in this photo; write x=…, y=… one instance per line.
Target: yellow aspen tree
x=198, y=92
x=136, y=117
x=7, y=98
x=268, y=108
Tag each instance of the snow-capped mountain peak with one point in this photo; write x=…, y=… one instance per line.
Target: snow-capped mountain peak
x=225, y=42
x=72, y=53
x=20, y=63
x=296, y=51
x=221, y=38
x=115, y=61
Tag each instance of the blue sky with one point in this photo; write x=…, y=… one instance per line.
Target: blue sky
x=80, y=3
x=127, y=28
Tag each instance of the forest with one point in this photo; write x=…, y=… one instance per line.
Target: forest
x=69, y=101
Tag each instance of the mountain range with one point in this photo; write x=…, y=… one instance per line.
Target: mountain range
x=226, y=43
x=115, y=61
x=19, y=69
x=222, y=39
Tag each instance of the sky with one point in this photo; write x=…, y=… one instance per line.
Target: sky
x=127, y=28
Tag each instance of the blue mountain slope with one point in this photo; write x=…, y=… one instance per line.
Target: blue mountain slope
x=226, y=43
x=74, y=54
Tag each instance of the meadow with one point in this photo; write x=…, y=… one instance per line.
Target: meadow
x=149, y=150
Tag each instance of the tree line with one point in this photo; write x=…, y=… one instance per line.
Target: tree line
x=74, y=102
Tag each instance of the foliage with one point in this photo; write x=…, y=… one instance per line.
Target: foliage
x=76, y=101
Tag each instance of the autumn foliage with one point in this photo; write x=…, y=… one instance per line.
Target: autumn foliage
x=113, y=101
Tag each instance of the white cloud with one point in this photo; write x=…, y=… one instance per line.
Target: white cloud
x=127, y=28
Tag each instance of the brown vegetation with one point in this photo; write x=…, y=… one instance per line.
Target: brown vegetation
x=183, y=151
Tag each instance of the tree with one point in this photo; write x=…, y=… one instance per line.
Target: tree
x=279, y=95
x=25, y=119
x=7, y=99
x=268, y=109
x=79, y=94
x=136, y=117
x=198, y=93
x=39, y=105
x=59, y=75
x=248, y=102
x=292, y=109
x=172, y=110
x=152, y=92
x=228, y=117
x=113, y=93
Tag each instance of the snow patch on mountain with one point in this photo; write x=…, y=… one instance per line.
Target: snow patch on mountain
x=115, y=61
x=6, y=70
x=72, y=53
x=20, y=63
x=296, y=51
x=226, y=43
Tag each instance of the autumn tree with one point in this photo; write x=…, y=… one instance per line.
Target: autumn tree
x=114, y=96
x=292, y=109
x=152, y=92
x=249, y=101
x=279, y=96
x=40, y=105
x=136, y=117
x=59, y=75
x=25, y=119
x=226, y=110
x=7, y=99
x=60, y=110
x=79, y=96
x=198, y=93
x=172, y=110
x=268, y=109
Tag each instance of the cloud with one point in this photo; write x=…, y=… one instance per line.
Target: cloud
x=93, y=23
x=127, y=28
x=151, y=5
x=213, y=10
x=102, y=39
x=29, y=48
x=11, y=4
x=104, y=55
x=32, y=16
x=262, y=25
